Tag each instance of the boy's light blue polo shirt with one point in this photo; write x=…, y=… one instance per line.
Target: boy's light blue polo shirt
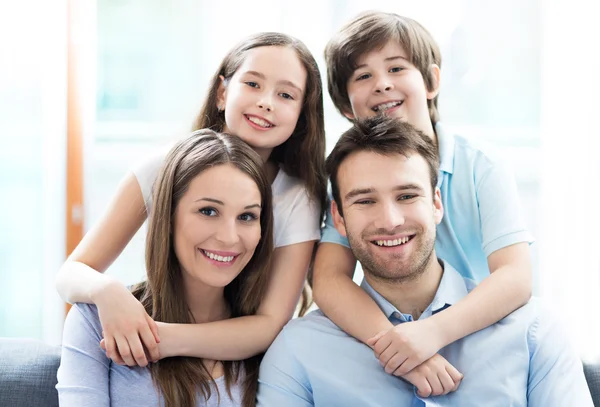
x=482, y=208
x=524, y=360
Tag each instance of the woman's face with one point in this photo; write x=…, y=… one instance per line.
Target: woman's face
x=217, y=226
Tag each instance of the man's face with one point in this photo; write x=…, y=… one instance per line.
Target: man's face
x=390, y=213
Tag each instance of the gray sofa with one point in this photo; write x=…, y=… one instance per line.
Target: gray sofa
x=28, y=374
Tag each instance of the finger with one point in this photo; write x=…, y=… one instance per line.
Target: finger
x=406, y=366
x=382, y=344
x=153, y=327
x=103, y=344
x=393, y=363
x=388, y=354
x=111, y=346
x=111, y=351
x=446, y=381
x=436, y=386
x=137, y=350
x=149, y=343
x=124, y=351
x=423, y=387
x=373, y=340
x=455, y=375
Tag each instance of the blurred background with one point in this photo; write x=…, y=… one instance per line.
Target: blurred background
x=127, y=76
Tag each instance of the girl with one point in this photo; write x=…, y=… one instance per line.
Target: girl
x=268, y=92
x=208, y=250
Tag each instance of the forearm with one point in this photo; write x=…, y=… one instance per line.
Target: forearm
x=345, y=303
x=77, y=282
x=505, y=290
x=229, y=339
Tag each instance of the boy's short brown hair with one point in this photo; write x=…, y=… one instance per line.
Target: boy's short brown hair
x=370, y=31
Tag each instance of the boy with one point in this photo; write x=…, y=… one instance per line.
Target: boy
x=383, y=63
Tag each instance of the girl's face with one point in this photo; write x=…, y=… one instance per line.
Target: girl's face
x=264, y=98
x=216, y=227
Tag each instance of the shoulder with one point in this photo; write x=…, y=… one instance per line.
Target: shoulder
x=82, y=321
x=288, y=186
x=299, y=333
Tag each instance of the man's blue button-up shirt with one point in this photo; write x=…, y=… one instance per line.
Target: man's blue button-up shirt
x=523, y=360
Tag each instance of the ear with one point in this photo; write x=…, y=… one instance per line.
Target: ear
x=438, y=208
x=435, y=73
x=349, y=115
x=221, y=93
x=338, y=220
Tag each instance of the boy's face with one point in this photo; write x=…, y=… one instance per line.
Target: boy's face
x=386, y=82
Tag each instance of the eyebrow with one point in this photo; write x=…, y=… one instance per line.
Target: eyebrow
x=283, y=81
x=362, y=191
x=223, y=204
x=389, y=59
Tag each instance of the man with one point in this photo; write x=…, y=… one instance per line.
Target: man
x=383, y=177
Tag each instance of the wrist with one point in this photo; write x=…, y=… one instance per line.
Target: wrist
x=440, y=330
x=106, y=289
x=168, y=346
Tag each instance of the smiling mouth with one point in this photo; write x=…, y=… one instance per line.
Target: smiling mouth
x=216, y=257
x=265, y=124
x=394, y=242
x=381, y=108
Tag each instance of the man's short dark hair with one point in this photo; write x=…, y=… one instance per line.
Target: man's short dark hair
x=382, y=135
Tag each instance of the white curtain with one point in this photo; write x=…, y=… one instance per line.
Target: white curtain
x=32, y=166
x=570, y=255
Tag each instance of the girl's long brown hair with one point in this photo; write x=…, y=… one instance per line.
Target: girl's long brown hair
x=303, y=154
x=181, y=378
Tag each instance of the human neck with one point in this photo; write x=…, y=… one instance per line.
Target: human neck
x=429, y=131
x=410, y=296
x=207, y=304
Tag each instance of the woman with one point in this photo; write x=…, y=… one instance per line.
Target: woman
x=208, y=251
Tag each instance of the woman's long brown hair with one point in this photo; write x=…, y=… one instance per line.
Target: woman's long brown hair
x=181, y=378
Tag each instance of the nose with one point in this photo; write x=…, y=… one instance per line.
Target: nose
x=227, y=233
x=390, y=217
x=265, y=102
x=383, y=85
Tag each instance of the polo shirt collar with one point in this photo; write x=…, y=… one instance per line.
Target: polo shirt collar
x=452, y=289
x=446, y=147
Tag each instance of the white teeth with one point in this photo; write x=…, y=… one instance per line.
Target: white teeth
x=385, y=106
x=260, y=122
x=391, y=243
x=216, y=257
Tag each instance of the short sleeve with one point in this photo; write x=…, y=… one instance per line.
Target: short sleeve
x=296, y=217
x=146, y=173
x=501, y=215
x=83, y=375
x=329, y=233
x=282, y=380
x=556, y=375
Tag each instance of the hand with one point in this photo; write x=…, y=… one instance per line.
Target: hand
x=434, y=377
x=405, y=346
x=130, y=334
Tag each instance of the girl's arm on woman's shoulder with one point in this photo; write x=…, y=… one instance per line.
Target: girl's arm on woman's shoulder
x=80, y=278
x=344, y=302
x=243, y=337
x=124, y=321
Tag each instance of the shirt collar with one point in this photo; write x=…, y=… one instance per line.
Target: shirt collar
x=452, y=288
x=446, y=146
